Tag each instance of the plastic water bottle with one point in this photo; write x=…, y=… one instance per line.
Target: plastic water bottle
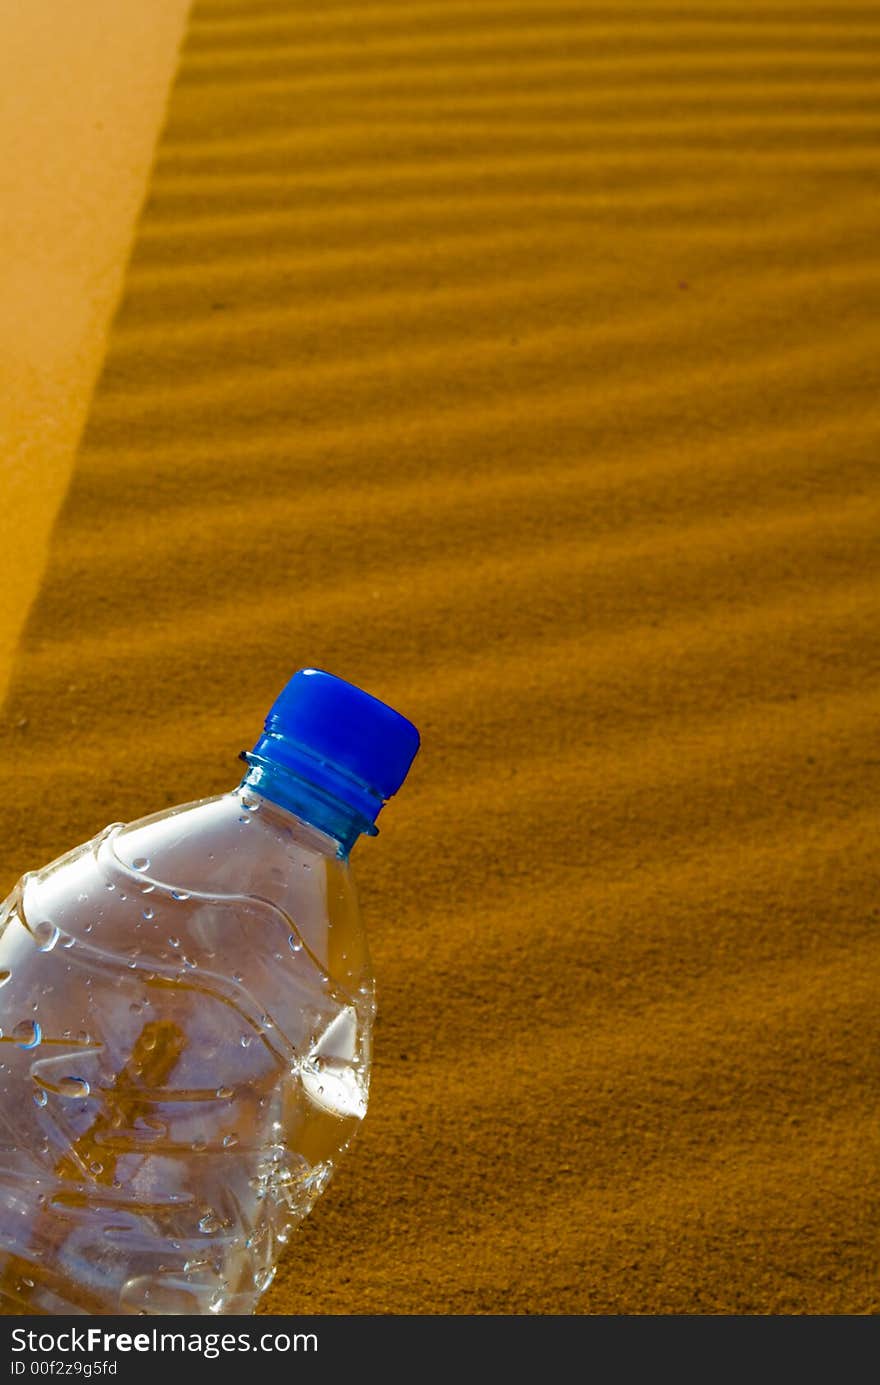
x=186, y=1005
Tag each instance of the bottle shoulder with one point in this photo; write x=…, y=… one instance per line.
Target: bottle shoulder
x=223, y=838
x=234, y=856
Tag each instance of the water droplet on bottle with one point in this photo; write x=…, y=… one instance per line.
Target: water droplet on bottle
x=73, y=1087
x=67, y=940
x=244, y=820
x=237, y=977
x=110, y=885
x=149, y=913
x=197, y=1263
x=245, y=1040
x=40, y=1097
x=148, y=889
x=27, y=1034
x=294, y=942
x=209, y=1223
x=26, y=1283
x=4, y=977
x=179, y=894
x=250, y=803
x=140, y=863
x=200, y=1145
x=262, y=1279
x=174, y=942
x=46, y=936
x=87, y=928
x=230, y=1141
x=96, y=1167
x=224, y=1093
x=83, y=1036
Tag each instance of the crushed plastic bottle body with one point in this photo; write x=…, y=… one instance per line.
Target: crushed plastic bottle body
x=186, y=1010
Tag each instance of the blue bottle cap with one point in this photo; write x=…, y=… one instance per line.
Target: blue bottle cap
x=340, y=740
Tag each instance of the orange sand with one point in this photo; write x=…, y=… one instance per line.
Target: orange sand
x=82, y=90
x=518, y=362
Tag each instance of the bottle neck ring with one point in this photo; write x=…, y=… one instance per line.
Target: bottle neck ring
x=313, y=803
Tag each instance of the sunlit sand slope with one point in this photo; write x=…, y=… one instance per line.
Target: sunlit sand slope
x=82, y=94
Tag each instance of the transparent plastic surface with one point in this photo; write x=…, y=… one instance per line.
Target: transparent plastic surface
x=186, y=1005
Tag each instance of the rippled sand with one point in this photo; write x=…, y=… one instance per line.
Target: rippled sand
x=518, y=362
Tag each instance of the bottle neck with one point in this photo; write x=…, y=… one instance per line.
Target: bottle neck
x=313, y=805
